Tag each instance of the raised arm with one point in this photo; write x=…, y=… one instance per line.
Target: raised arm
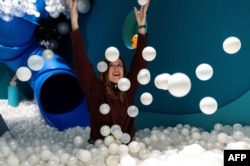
x=138, y=62
x=73, y=14
x=82, y=65
x=141, y=16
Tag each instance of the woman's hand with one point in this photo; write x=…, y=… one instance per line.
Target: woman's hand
x=141, y=16
x=73, y=14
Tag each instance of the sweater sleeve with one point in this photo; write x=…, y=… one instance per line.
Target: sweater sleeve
x=137, y=63
x=83, y=68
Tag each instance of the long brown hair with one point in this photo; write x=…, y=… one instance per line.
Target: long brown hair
x=109, y=85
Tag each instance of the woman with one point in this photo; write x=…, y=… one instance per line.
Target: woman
x=104, y=90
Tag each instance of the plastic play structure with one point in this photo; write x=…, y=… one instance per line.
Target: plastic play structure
x=56, y=91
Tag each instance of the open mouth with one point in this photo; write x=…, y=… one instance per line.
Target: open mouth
x=116, y=74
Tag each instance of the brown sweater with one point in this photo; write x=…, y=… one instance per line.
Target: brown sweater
x=96, y=92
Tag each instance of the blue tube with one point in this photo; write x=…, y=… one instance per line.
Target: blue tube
x=56, y=90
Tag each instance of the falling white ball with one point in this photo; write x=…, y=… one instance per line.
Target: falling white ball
x=112, y=54
x=208, y=105
x=143, y=76
x=35, y=62
x=149, y=53
x=124, y=84
x=179, y=85
x=104, y=108
x=83, y=6
x=231, y=45
x=204, y=72
x=133, y=111
x=48, y=54
x=23, y=73
x=63, y=28
x=102, y=66
x=146, y=98
x=142, y=2
x=161, y=81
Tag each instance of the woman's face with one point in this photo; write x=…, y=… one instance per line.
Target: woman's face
x=116, y=71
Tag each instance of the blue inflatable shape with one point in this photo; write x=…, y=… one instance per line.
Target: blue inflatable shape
x=56, y=90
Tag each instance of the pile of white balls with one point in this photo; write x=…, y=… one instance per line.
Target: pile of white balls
x=31, y=141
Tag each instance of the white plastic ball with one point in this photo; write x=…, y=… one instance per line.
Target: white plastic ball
x=23, y=73
x=78, y=141
x=218, y=127
x=108, y=140
x=116, y=131
x=208, y=105
x=48, y=54
x=5, y=150
x=113, y=148
x=231, y=45
x=142, y=2
x=185, y=131
x=12, y=160
x=179, y=85
x=63, y=28
x=104, y=108
x=83, y=6
x=204, y=72
x=125, y=138
x=13, y=144
x=144, y=154
x=237, y=145
x=143, y=76
x=35, y=62
x=84, y=155
x=72, y=160
x=115, y=127
x=117, y=134
x=64, y=157
x=128, y=161
x=238, y=135
x=133, y=111
x=222, y=138
x=146, y=98
x=102, y=66
x=112, y=160
x=134, y=147
x=149, y=53
x=196, y=136
x=161, y=81
x=45, y=154
x=123, y=149
x=112, y=54
x=105, y=130
x=124, y=84
x=6, y=16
